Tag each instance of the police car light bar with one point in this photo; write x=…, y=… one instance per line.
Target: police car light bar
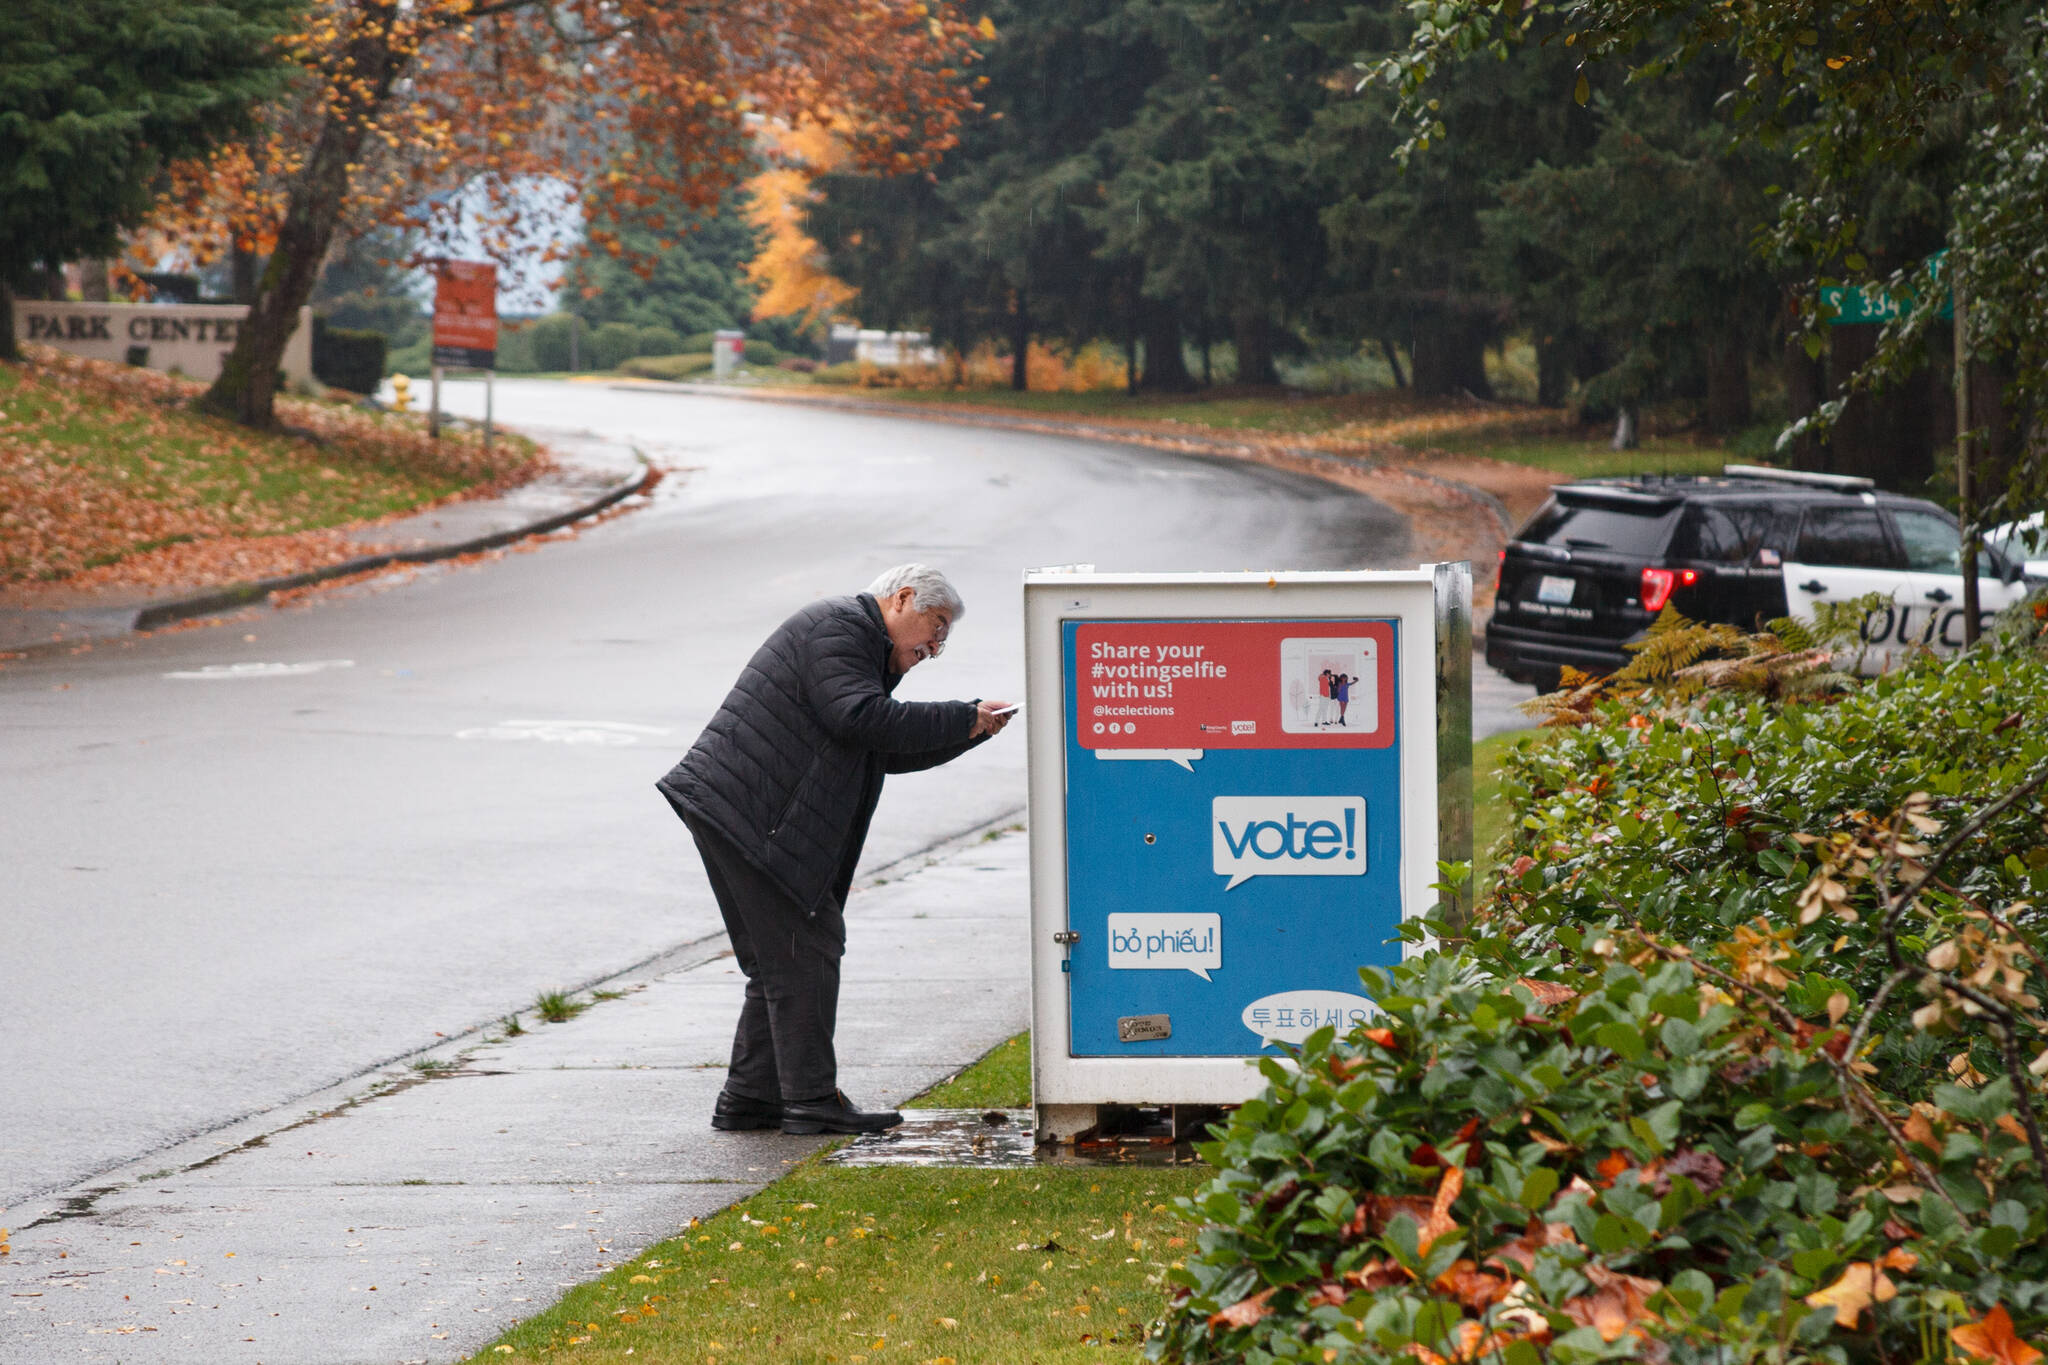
x=1847, y=483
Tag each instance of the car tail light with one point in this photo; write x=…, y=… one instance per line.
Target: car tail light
x=1500, y=570
x=1658, y=585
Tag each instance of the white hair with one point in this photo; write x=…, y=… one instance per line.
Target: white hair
x=933, y=592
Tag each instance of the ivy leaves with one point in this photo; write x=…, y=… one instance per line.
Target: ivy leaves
x=1666, y=1096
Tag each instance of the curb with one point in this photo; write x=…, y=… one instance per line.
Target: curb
x=1191, y=443
x=218, y=600
x=202, y=1146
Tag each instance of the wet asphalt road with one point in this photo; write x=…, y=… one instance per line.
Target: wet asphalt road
x=223, y=892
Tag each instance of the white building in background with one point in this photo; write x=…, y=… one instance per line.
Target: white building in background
x=191, y=338
x=880, y=348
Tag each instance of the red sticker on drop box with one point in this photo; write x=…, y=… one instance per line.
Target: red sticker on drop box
x=1235, y=684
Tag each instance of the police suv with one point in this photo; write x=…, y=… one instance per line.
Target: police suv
x=1594, y=566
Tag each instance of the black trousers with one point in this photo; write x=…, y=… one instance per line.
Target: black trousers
x=782, y=1049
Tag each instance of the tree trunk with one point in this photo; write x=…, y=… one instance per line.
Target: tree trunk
x=1020, y=344
x=1553, y=373
x=92, y=280
x=9, y=350
x=1805, y=387
x=1253, y=331
x=1202, y=340
x=1393, y=362
x=1449, y=356
x=1886, y=435
x=242, y=275
x=1624, y=430
x=246, y=390
x=1728, y=406
x=1166, y=369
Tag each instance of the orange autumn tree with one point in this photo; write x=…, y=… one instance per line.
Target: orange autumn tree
x=790, y=268
x=417, y=111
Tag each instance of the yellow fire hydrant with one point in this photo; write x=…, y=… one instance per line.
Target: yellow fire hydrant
x=401, y=393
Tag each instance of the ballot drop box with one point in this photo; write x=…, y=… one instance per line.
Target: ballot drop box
x=1240, y=786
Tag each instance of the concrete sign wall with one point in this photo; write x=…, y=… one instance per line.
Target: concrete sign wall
x=192, y=338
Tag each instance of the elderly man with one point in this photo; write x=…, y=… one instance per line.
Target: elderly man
x=778, y=792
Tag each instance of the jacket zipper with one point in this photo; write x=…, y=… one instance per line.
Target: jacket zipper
x=789, y=803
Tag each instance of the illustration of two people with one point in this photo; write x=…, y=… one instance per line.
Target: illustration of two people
x=1335, y=688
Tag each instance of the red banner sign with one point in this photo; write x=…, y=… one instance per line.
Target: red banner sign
x=1235, y=684
x=466, y=313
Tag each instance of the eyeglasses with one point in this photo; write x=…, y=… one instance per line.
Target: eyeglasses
x=938, y=643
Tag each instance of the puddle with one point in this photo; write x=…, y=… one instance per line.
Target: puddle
x=947, y=1137
x=998, y=1139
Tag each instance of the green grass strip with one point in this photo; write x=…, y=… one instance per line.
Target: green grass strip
x=836, y=1265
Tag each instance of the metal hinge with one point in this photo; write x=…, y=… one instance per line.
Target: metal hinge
x=1066, y=938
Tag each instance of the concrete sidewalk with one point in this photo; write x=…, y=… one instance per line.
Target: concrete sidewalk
x=415, y=1221
x=591, y=474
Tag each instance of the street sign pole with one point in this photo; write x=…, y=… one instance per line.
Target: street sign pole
x=490, y=398
x=465, y=328
x=1965, y=495
x=434, y=404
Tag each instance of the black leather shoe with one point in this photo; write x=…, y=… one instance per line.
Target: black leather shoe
x=835, y=1114
x=737, y=1113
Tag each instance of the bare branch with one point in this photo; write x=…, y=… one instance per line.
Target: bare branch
x=1962, y=836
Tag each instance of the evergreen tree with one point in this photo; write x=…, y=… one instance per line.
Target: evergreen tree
x=1407, y=243
x=96, y=96
x=697, y=285
x=367, y=286
x=1000, y=242
x=1215, y=192
x=1640, y=256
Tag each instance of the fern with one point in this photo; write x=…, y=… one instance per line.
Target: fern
x=1678, y=658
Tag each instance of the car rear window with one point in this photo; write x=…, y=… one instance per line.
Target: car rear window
x=1574, y=525
x=1725, y=533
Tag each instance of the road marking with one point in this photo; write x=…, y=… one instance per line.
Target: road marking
x=608, y=733
x=213, y=671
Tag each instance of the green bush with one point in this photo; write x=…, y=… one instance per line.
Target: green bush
x=414, y=360
x=348, y=358
x=515, y=348
x=761, y=353
x=550, y=341
x=669, y=367
x=1734, y=1063
x=658, y=340
x=611, y=345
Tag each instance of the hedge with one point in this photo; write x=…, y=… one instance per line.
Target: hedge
x=1739, y=1059
x=667, y=366
x=348, y=359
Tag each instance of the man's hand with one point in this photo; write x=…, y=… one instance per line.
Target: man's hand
x=987, y=722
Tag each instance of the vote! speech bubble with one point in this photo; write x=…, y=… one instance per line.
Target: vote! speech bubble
x=1286, y=836
x=1188, y=941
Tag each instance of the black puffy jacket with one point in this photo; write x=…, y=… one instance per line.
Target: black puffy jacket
x=791, y=767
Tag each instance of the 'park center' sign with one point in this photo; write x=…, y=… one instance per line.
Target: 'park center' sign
x=192, y=338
